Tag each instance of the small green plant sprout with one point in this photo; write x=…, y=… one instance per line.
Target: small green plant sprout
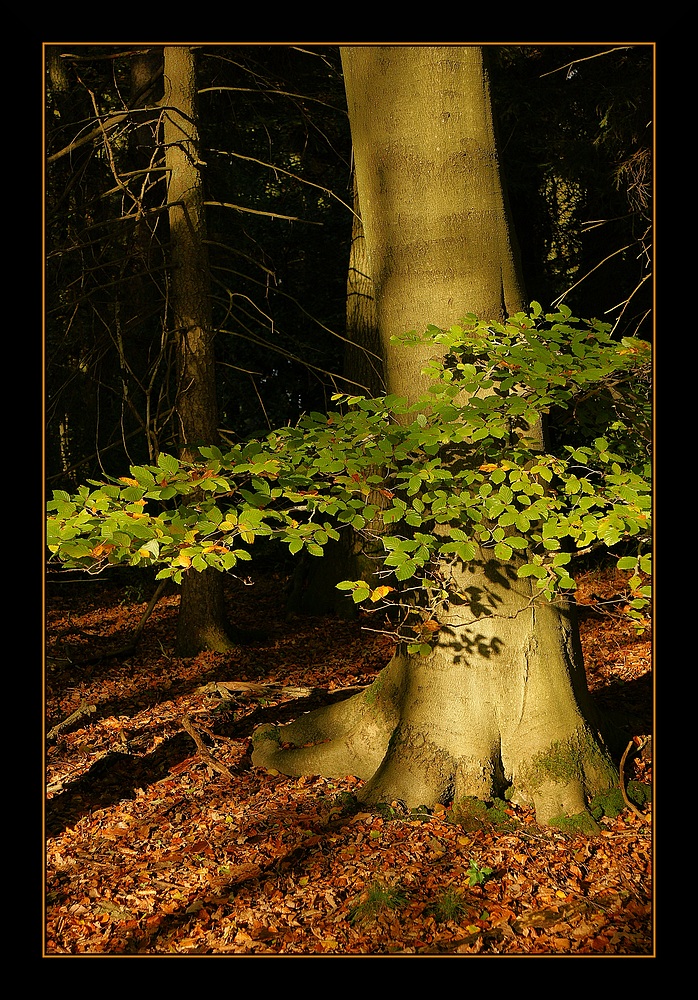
x=477, y=874
x=449, y=906
x=376, y=898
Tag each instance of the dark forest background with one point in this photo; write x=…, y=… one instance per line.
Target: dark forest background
x=576, y=139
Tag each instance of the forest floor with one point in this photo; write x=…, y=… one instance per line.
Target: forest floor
x=162, y=839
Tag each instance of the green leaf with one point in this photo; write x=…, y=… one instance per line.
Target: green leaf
x=406, y=570
x=168, y=464
x=466, y=551
x=530, y=570
x=627, y=562
x=503, y=551
x=516, y=542
x=561, y=559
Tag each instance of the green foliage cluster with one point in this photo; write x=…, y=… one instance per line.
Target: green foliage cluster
x=477, y=874
x=460, y=472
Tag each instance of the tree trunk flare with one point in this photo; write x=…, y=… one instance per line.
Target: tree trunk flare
x=500, y=705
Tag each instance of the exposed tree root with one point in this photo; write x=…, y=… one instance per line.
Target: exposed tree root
x=409, y=747
x=348, y=737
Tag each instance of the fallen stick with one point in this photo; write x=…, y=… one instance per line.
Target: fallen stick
x=130, y=646
x=203, y=751
x=82, y=709
x=226, y=689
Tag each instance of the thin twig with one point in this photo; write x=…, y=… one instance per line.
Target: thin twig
x=130, y=646
x=627, y=801
x=256, y=211
x=567, y=66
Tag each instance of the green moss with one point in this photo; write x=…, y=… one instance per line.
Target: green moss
x=582, y=822
x=421, y=814
x=345, y=803
x=473, y=814
x=638, y=793
x=267, y=733
x=578, y=758
x=608, y=803
x=372, y=693
x=612, y=804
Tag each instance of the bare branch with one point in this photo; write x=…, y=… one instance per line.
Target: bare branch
x=280, y=93
x=103, y=127
x=254, y=211
x=606, y=52
x=280, y=170
x=560, y=298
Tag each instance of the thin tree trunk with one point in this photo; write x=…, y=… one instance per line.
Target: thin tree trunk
x=363, y=363
x=190, y=292
x=202, y=623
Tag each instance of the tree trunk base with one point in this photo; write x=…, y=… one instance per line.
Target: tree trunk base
x=424, y=733
x=202, y=624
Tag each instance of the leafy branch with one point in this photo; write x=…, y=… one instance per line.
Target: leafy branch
x=434, y=484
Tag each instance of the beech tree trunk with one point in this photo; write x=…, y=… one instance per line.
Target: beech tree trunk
x=201, y=624
x=501, y=704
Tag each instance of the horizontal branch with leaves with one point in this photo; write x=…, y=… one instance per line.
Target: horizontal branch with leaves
x=432, y=483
